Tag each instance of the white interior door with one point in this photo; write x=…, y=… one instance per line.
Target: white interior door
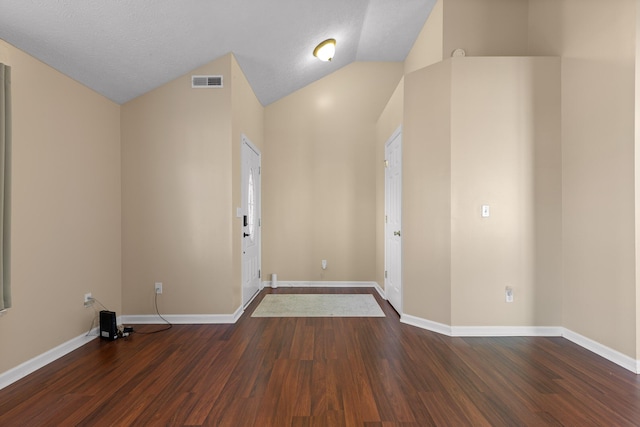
x=250, y=221
x=393, y=221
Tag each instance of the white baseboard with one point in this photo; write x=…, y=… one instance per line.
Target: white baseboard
x=325, y=284
x=24, y=369
x=506, y=331
x=21, y=371
x=298, y=284
x=429, y=325
x=183, y=319
x=321, y=284
x=603, y=351
x=526, y=331
x=381, y=291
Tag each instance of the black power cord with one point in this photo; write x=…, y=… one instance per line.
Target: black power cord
x=126, y=330
x=95, y=316
x=170, y=325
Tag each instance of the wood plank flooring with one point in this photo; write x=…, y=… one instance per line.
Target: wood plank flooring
x=308, y=372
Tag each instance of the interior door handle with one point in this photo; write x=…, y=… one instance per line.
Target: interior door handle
x=396, y=233
x=246, y=235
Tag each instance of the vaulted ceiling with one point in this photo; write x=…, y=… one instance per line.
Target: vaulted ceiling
x=124, y=48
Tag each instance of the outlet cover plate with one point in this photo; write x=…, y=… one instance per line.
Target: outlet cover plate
x=508, y=295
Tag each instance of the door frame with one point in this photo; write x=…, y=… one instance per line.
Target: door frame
x=258, y=189
x=397, y=133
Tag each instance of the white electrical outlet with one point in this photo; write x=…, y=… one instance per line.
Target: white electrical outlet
x=88, y=300
x=158, y=287
x=324, y=264
x=508, y=294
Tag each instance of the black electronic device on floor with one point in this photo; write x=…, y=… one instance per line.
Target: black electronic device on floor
x=108, y=327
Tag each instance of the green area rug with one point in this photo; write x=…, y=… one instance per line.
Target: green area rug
x=318, y=305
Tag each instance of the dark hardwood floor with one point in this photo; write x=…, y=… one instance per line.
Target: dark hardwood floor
x=323, y=372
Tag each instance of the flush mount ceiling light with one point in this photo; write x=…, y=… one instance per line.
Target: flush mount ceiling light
x=325, y=50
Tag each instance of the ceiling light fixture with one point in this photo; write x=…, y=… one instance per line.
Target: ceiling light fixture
x=325, y=50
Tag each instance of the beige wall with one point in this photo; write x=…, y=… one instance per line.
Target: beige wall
x=319, y=175
x=596, y=271
x=427, y=48
x=505, y=152
x=598, y=84
x=486, y=27
x=388, y=122
x=545, y=27
x=426, y=193
x=177, y=198
x=483, y=131
x=66, y=208
x=247, y=115
x=549, y=147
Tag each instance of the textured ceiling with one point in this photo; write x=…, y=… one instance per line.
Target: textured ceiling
x=124, y=48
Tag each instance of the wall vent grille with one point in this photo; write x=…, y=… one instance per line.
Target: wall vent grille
x=206, y=81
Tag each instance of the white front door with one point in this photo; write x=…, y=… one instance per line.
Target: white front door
x=250, y=221
x=393, y=221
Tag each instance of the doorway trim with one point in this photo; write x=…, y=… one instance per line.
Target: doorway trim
x=258, y=218
x=392, y=230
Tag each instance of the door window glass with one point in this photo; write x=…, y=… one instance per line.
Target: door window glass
x=251, y=206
